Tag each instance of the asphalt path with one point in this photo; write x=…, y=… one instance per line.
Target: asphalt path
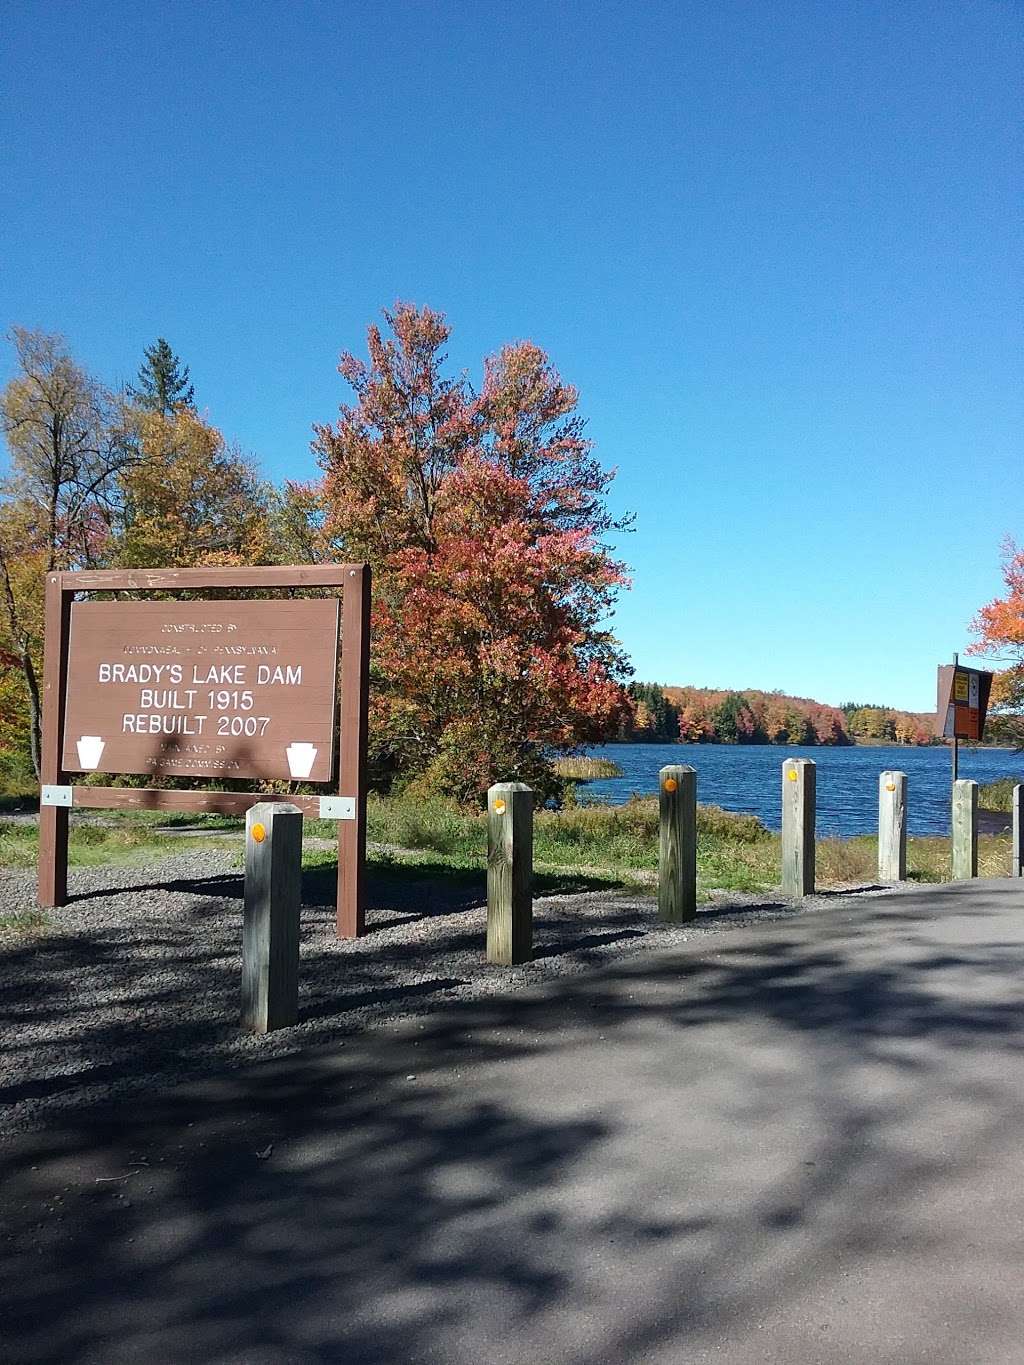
x=802, y=1142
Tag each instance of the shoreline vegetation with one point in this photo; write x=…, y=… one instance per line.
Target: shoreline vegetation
x=965, y=745
x=586, y=769
x=998, y=795
x=705, y=715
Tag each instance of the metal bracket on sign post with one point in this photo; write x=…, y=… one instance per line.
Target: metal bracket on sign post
x=337, y=808
x=55, y=796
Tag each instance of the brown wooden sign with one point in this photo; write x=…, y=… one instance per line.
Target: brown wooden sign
x=202, y=689
x=962, y=702
x=210, y=690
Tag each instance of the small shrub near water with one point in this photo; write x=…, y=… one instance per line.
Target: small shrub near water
x=582, y=769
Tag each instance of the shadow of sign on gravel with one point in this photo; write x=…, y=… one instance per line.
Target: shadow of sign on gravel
x=623, y=1166
x=448, y=889
x=225, y=884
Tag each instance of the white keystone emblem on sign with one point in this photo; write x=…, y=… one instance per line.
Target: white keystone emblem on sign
x=90, y=751
x=301, y=758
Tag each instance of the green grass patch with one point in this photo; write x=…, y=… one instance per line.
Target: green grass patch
x=22, y=923
x=607, y=844
x=18, y=844
x=177, y=819
x=422, y=866
x=214, y=822
x=620, y=843
x=95, y=845
x=431, y=824
x=998, y=795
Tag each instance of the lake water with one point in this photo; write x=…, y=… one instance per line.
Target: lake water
x=749, y=778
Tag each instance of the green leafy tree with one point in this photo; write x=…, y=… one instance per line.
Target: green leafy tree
x=725, y=718
x=163, y=384
x=661, y=717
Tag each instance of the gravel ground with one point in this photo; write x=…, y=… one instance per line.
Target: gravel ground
x=135, y=983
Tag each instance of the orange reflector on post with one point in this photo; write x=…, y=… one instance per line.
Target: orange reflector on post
x=499, y=807
x=670, y=784
x=259, y=833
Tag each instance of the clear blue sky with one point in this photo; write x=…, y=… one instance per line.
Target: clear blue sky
x=776, y=246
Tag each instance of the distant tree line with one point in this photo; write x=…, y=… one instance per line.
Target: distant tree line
x=882, y=725
x=697, y=715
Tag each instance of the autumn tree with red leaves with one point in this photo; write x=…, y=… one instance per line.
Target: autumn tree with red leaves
x=484, y=517
x=1000, y=629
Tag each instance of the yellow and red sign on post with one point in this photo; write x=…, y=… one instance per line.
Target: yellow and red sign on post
x=963, y=695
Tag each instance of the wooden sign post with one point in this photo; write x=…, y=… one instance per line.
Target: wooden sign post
x=799, y=804
x=892, y=827
x=509, y=873
x=677, y=843
x=965, y=829
x=270, y=918
x=207, y=689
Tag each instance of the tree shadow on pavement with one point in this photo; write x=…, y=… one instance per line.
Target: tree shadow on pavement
x=620, y=1166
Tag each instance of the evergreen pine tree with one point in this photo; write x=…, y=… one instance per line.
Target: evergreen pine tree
x=163, y=381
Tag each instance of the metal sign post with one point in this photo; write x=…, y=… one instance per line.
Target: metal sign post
x=962, y=705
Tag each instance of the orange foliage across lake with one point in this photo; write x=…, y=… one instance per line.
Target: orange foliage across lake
x=711, y=715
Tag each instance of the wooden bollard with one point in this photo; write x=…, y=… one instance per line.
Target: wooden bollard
x=509, y=873
x=799, y=791
x=270, y=925
x=1017, y=868
x=965, y=829
x=892, y=827
x=677, y=843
